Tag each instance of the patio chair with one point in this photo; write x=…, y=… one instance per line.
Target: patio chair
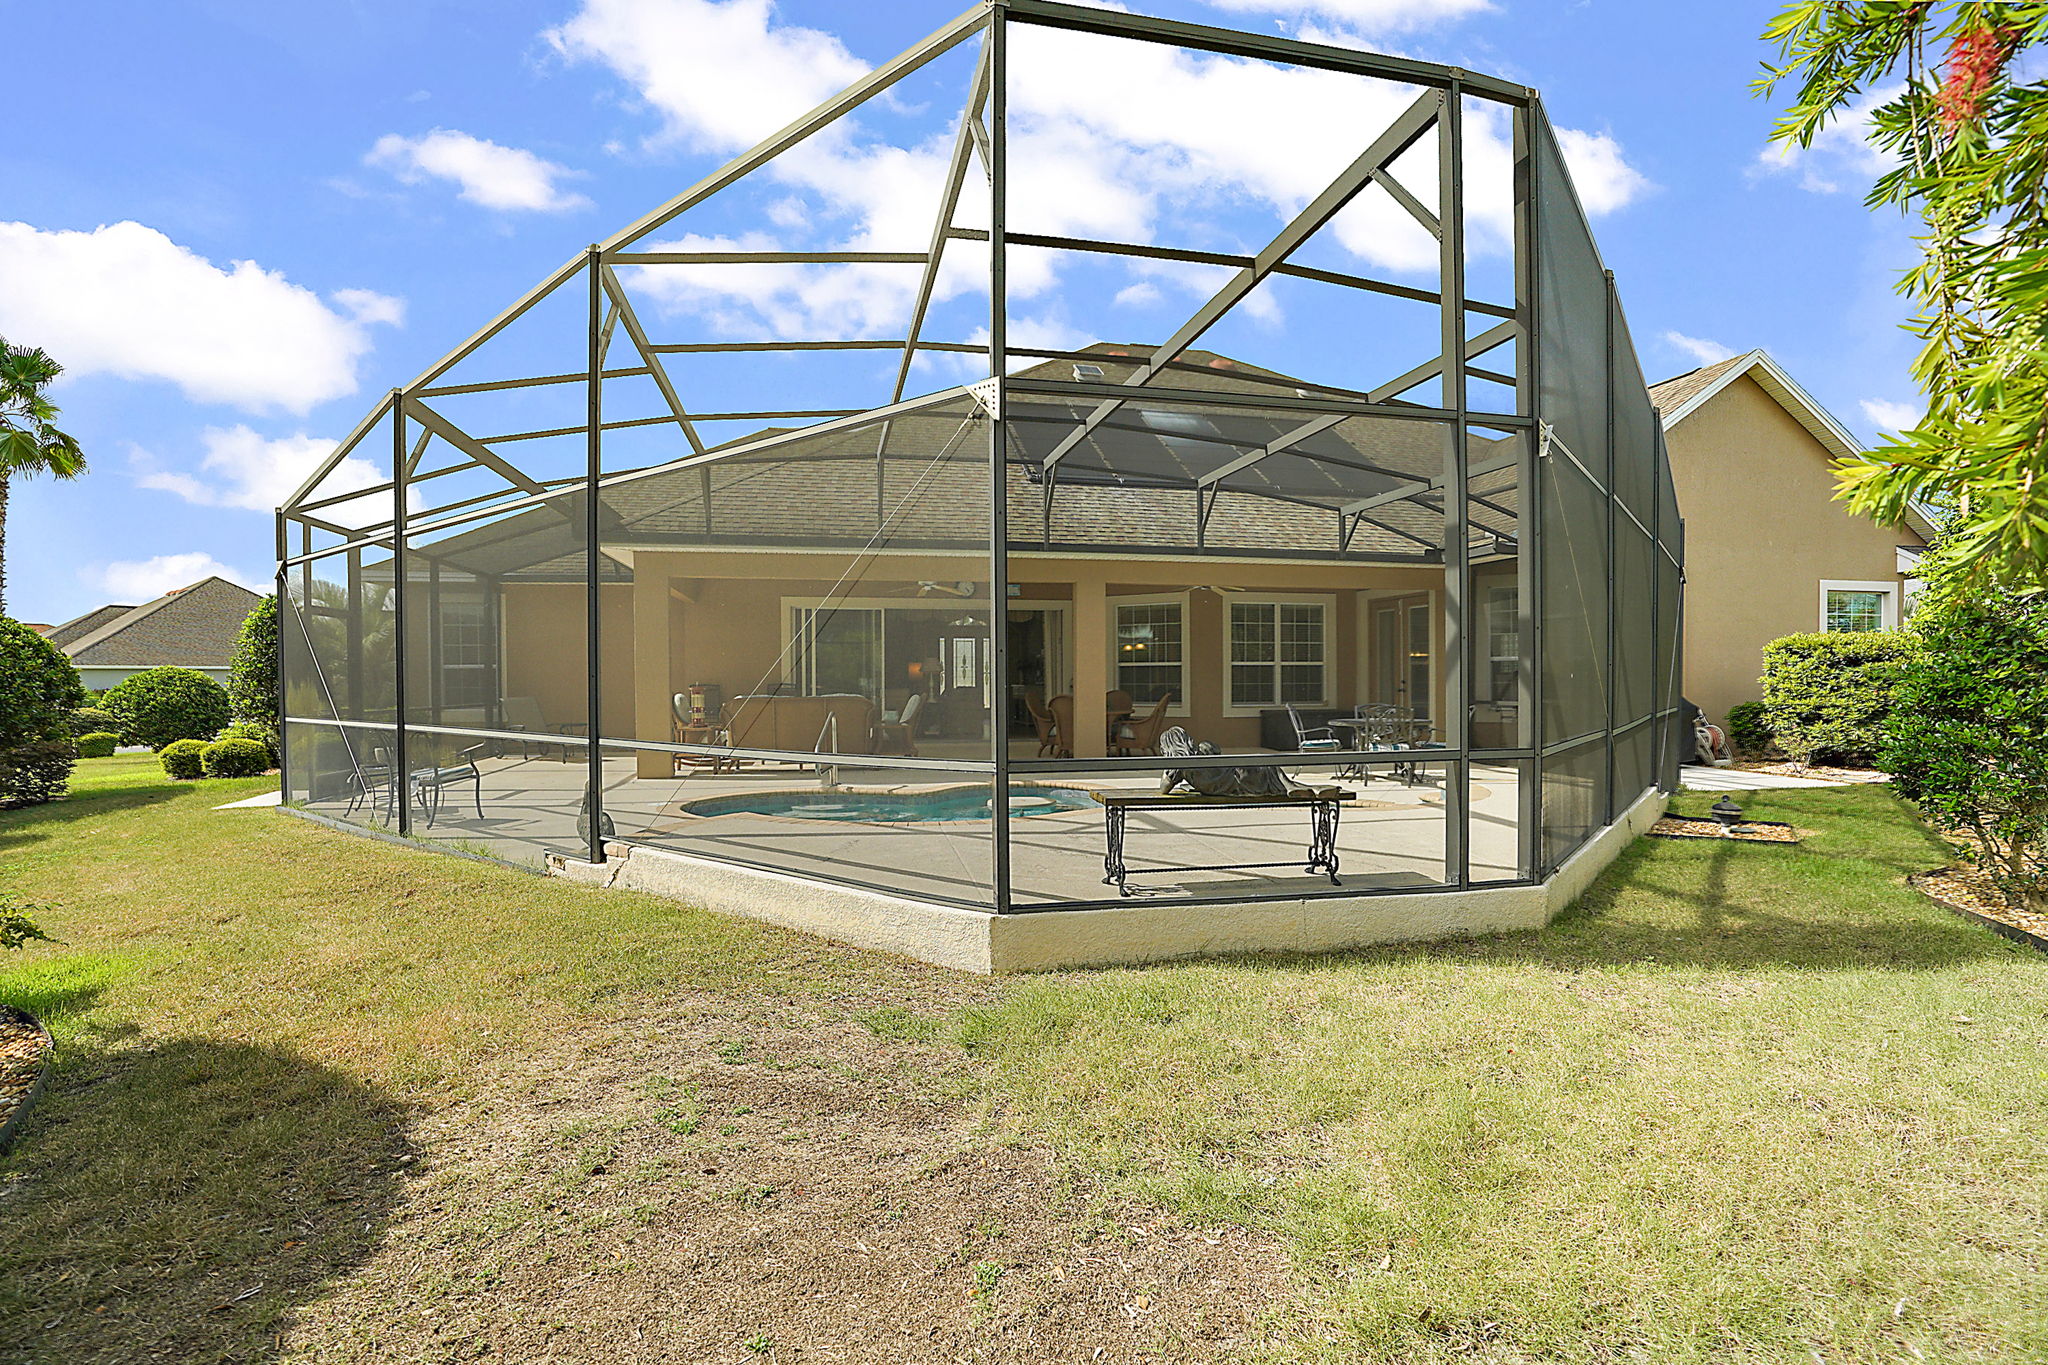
x=370, y=782
x=524, y=714
x=1312, y=739
x=1042, y=721
x=1141, y=737
x=1116, y=709
x=900, y=733
x=428, y=784
x=1062, y=708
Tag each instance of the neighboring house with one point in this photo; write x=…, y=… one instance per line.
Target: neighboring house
x=1768, y=550
x=192, y=627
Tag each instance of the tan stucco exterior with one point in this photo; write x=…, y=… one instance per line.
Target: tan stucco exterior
x=1762, y=533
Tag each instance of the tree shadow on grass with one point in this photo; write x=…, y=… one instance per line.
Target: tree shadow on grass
x=176, y=1200
x=33, y=824
x=1836, y=902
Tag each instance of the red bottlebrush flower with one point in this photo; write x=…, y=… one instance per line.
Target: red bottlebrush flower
x=1974, y=61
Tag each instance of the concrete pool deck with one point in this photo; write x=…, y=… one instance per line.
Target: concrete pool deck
x=915, y=887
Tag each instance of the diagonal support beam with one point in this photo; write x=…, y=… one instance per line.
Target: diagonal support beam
x=1415, y=207
x=655, y=370
x=956, y=173
x=1477, y=346
x=455, y=436
x=1288, y=441
x=1421, y=486
x=1398, y=138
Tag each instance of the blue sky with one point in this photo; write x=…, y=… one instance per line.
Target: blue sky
x=238, y=223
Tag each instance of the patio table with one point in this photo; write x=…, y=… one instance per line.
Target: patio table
x=1323, y=807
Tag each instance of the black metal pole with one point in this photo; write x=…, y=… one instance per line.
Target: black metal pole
x=401, y=776
x=1457, y=543
x=999, y=512
x=1529, y=525
x=592, y=560
x=284, y=787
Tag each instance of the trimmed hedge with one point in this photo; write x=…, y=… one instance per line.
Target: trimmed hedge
x=1749, y=725
x=91, y=720
x=235, y=758
x=243, y=729
x=183, y=759
x=159, y=705
x=98, y=744
x=252, y=676
x=1827, y=695
x=35, y=772
x=39, y=690
x=1968, y=740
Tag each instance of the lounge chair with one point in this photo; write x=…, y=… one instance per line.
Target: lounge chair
x=524, y=715
x=900, y=734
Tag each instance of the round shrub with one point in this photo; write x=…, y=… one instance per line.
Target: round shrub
x=253, y=730
x=1828, y=694
x=235, y=758
x=91, y=720
x=39, y=689
x=98, y=744
x=1749, y=725
x=159, y=705
x=183, y=758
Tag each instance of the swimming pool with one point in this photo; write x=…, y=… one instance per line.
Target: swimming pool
x=895, y=808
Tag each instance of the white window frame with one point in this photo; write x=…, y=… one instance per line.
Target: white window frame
x=1178, y=707
x=1888, y=589
x=1328, y=603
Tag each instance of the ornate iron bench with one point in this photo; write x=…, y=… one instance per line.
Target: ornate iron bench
x=1323, y=805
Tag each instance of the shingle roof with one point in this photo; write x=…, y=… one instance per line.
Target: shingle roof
x=193, y=627
x=1673, y=393
x=78, y=627
x=1129, y=486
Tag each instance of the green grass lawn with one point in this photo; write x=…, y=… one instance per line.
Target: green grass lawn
x=1743, y=1103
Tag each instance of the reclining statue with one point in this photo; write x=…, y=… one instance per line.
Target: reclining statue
x=1252, y=782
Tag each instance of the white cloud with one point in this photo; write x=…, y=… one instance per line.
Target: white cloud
x=1602, y=176
x=1885, y=415
x=126, y=300
x=1370, y=16
x=497, y=177
x=723, y=76
x=1143, y=294
x=137, y=581
x=1195, y=150
x=1841, y=150
x=368, y=307
x=1699, y=348
x=242, y=469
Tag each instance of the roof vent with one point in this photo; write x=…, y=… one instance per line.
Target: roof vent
x=1087, y=372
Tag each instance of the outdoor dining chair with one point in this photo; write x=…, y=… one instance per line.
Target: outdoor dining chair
x=1042, y=721
x=1312, y=739
x=1062, y=708
x=1141, y=736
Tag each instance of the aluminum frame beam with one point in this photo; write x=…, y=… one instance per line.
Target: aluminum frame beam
x=1398, y=137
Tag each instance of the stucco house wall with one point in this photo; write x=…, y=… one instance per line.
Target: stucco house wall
x=1763, y=532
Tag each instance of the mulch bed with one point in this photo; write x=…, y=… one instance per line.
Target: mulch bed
x=1748, y=832
x=1973, y=895
x=24, y=1052
x=1819, y=772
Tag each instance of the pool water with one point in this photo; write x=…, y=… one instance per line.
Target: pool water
x=892, y=808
